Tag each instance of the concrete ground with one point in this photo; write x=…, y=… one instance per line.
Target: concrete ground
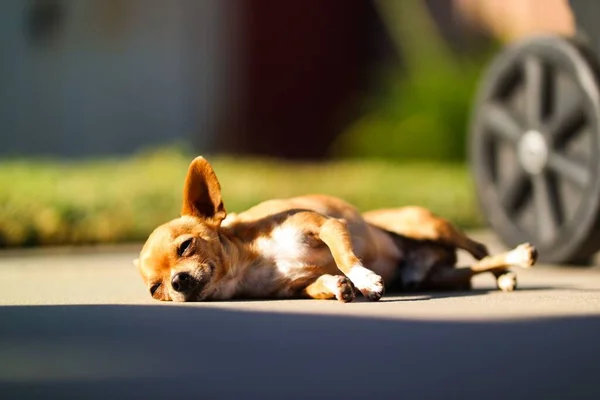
x=80, y=324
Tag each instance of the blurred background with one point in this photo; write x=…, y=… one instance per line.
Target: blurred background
x=103, y=103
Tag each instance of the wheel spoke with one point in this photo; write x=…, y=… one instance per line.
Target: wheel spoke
x=501, y=123
x=512, y=193
x=546, y=212
x=536, y=91
x=568, y=168
x=567, y=122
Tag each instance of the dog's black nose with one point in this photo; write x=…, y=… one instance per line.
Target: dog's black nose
x=183, y=282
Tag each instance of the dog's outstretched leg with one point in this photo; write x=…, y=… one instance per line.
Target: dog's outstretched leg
x=334, y=233
x=523, y=256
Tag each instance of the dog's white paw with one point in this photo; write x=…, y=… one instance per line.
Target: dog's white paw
x=507, y=282
x=368, y=282
x=524, y=256
x=344, y=290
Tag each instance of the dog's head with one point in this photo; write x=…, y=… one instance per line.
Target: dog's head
x=183, y=258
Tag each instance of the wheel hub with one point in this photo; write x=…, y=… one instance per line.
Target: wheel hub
x=533, y=152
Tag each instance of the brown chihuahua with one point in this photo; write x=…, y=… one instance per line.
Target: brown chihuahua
x=312, y=246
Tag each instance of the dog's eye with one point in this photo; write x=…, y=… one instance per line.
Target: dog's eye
x=154, y=288
x=185, y=247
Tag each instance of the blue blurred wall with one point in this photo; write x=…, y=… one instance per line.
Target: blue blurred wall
x=115, y=76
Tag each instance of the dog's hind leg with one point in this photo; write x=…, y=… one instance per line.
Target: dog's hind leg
x=418, y=223
x=523, y=256
x=506, y=280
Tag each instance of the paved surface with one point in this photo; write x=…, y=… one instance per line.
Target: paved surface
x=81, y=325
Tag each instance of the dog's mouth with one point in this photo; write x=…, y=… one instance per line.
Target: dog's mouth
x=200, y=294
x=191, y=286
x=196, y=294
x=193, y=297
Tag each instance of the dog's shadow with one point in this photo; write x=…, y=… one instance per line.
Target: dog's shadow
x=394, y=296
x=398, y=295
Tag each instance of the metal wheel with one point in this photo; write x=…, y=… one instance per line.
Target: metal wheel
x=535, y=148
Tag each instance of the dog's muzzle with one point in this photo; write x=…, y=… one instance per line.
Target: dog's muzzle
x=184, y=283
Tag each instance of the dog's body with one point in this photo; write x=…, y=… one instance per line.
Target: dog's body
x=311, y=246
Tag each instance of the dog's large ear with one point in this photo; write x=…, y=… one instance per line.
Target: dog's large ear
x=202, y=193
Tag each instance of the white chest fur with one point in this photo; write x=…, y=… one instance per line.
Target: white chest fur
x=285, y=248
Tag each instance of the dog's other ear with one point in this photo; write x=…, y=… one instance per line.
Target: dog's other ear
x=202, y=193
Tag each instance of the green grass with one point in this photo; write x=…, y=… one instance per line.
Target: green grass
x=49, y=202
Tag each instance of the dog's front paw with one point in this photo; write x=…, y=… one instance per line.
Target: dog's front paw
x=369, y=283
x=344, y=289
